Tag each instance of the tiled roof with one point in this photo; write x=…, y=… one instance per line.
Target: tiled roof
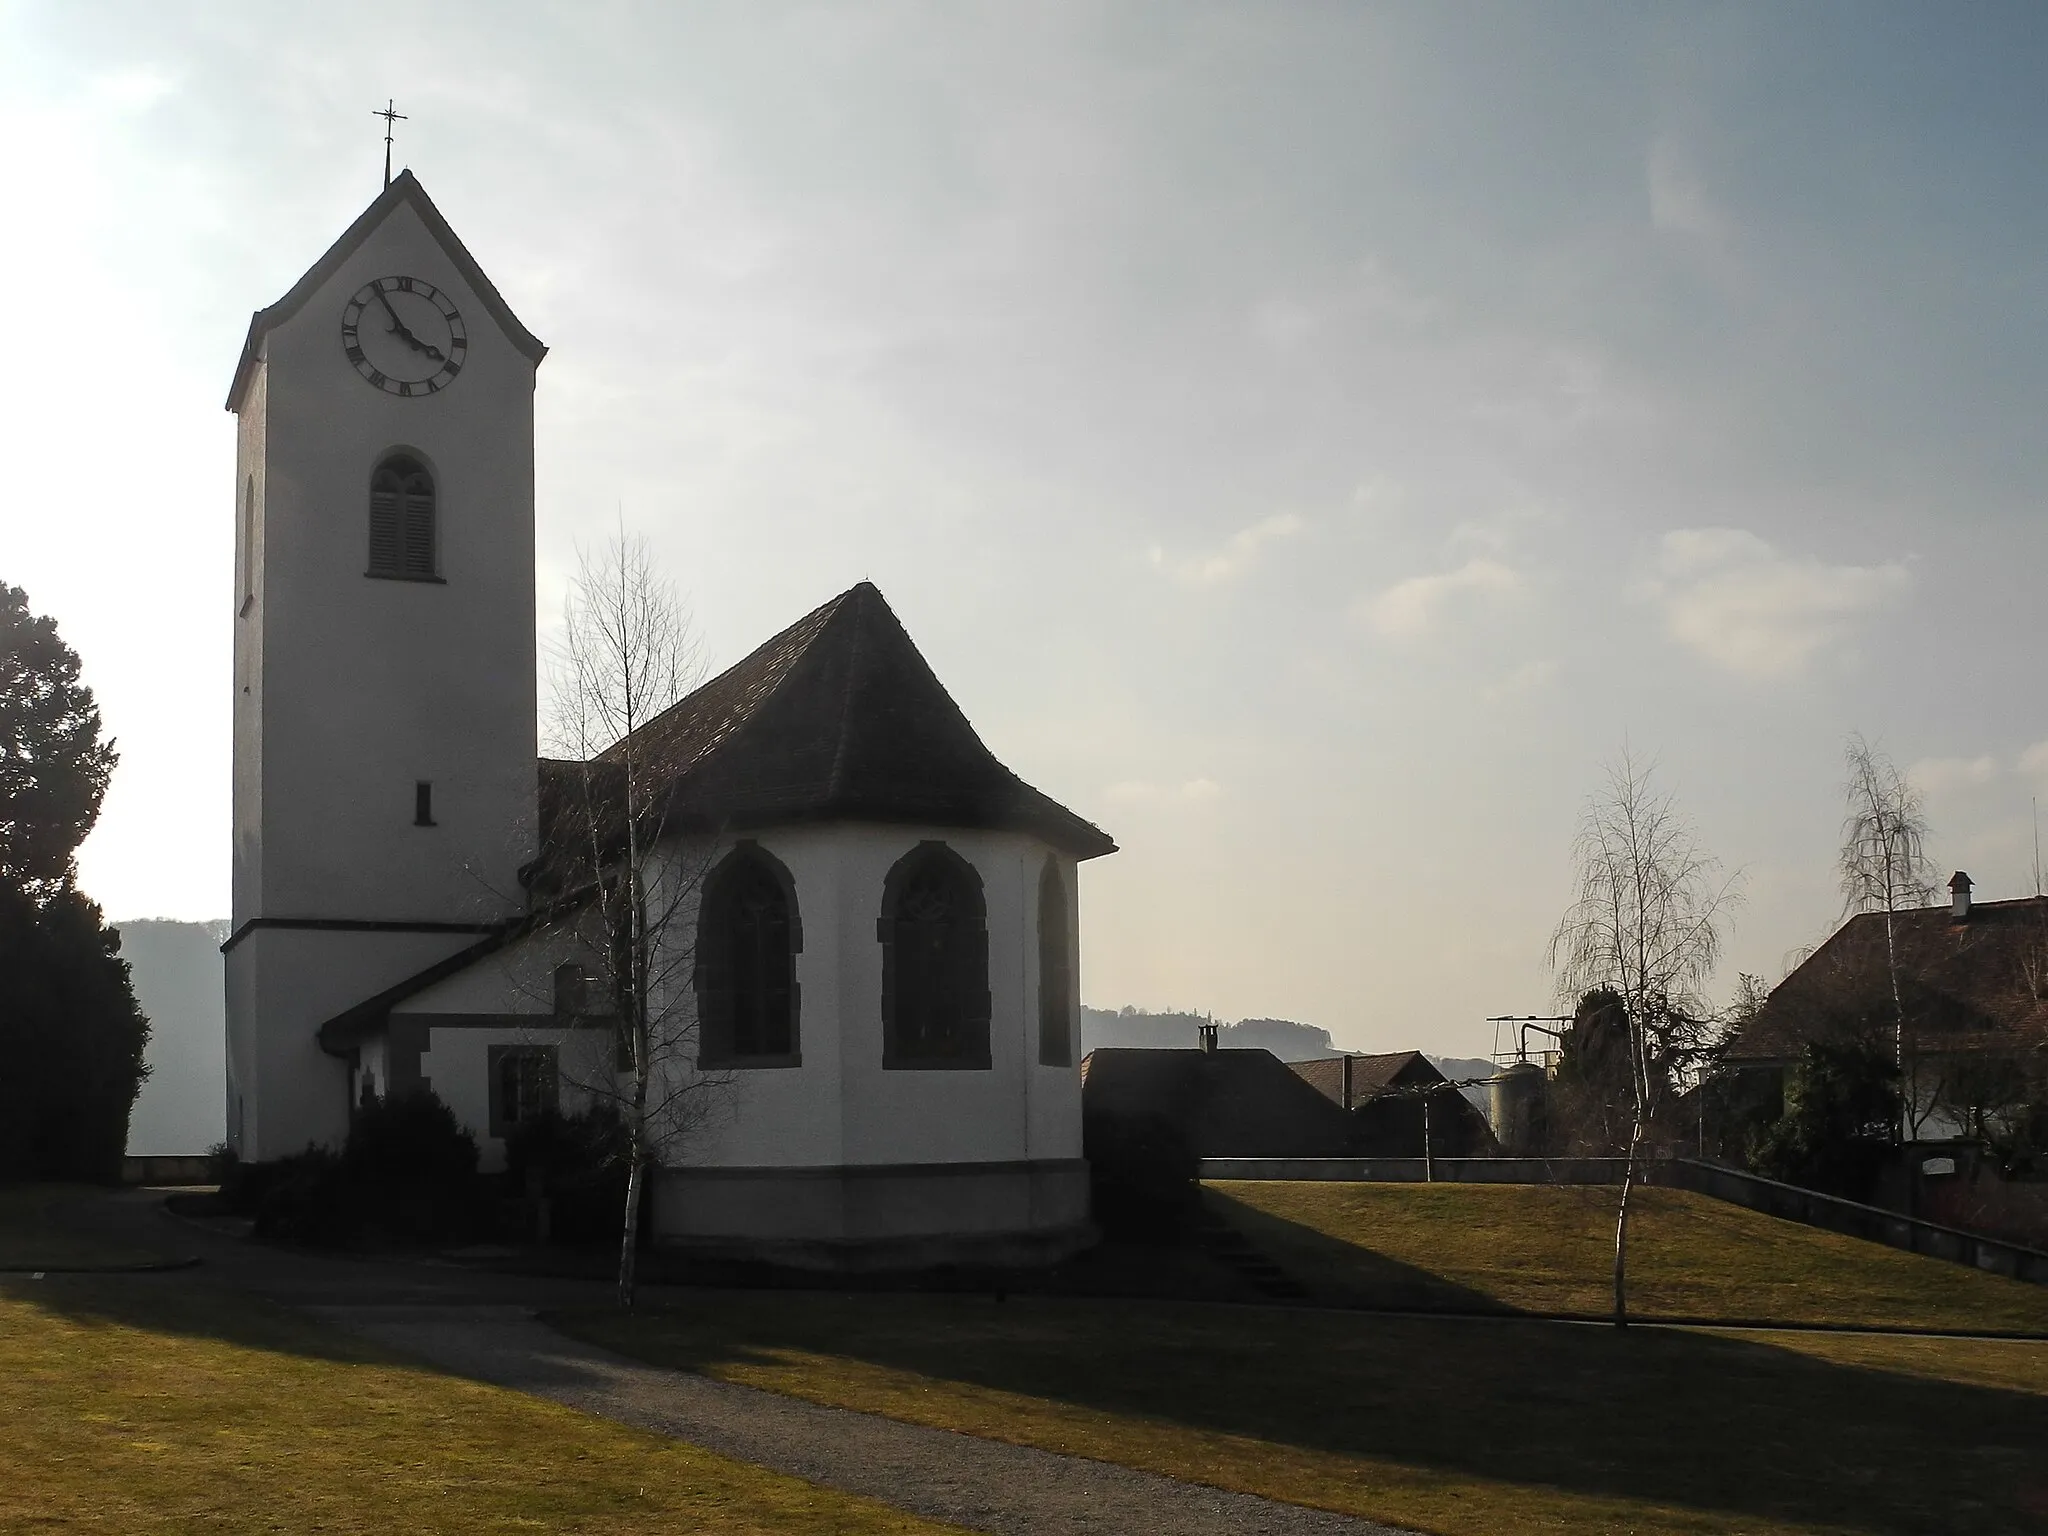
x=1976, y=985
x=837, y=718
x=1226, y=1103
x=1371, y=1075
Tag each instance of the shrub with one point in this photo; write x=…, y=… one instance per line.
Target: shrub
x=409, y=1141
x=578, y=1162
x=408, y=1169
x=1840, y=1121
x=304, y=1198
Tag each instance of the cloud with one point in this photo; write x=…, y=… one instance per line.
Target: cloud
x=1237, y=552
x=1940, y=775
x=1412, y=607
x=1527, y=678
x=1145, y=792
x=1744, y=605
x=1679, y=204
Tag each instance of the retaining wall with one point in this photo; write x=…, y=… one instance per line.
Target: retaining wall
x=192, y=1168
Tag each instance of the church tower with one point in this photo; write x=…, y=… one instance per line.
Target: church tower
x=385, y=753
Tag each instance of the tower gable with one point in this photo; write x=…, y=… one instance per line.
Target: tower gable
x=405, y=190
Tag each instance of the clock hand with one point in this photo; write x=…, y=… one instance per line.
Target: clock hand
x=399, y=329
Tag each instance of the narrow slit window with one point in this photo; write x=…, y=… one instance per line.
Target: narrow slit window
x=1055, y=971
x=423, y=804
x=246, y=598
x=402, y=520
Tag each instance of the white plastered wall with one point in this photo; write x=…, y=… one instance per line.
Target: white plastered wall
x=456, y=1065
x=350, y=690
x=505, y=998
x=368, y=686
x=285, y=1092
x=840, y=1107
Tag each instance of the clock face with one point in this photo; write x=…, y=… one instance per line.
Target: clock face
x=404, y=335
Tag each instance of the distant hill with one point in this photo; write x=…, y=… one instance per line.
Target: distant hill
x=1133, y=1027
x=179, y=980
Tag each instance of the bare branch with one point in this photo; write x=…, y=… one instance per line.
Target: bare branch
x=628, y=652
x=1884, y=868
x=1645, y=925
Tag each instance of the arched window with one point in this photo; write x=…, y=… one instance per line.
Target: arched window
x=402, y=520
x=934, y=933
x=1055, y=971
x=747, y=943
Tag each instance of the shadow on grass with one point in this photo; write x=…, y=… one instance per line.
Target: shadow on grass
x=1697, y=1421
x=1346, y=1274
x=169, y=1304
x=1725, y=1426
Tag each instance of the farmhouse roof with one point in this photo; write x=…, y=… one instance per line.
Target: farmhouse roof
x=837, y=718
x=1370, y=1075
x=1972, y=984
x=1225, y=1103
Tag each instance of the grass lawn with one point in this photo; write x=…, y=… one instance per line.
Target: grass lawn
x=1543, y=1248
x=1447, y=1425
x=31, y=1239
x=137, y=1404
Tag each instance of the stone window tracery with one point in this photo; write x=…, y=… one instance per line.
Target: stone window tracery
x=934, y=934
x=747, y=943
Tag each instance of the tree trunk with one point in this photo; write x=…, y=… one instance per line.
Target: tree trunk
x=1907, y=1128
x=629, y=1239
x=1628, y=1181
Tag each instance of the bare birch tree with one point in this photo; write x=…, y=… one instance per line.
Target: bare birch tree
x=1645, y=924
x=628, y=878
x=1884, y=868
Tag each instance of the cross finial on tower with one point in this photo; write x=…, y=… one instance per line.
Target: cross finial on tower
x=390, y=116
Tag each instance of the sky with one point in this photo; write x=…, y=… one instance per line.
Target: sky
x=1309, y=440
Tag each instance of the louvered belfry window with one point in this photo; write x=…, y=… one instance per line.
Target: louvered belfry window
x=934, y=933
x=402, y=520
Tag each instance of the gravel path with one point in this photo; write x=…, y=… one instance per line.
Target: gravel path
x=981, y=1484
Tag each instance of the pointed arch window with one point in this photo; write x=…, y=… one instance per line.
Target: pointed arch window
x=402, y=520
x=748, y=938
x=934, y=933
x=1055, y=970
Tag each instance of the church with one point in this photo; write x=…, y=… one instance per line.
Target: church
x=882, y=978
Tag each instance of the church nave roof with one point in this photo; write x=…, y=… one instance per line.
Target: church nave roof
x=839, y=717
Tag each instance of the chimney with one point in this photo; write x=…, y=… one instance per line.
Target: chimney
x=1208, y=1034
x=1959, y=897
x=1347, y=1079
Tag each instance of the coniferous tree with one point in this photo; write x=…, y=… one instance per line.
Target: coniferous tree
x=53, y=766
x=71, y=1035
